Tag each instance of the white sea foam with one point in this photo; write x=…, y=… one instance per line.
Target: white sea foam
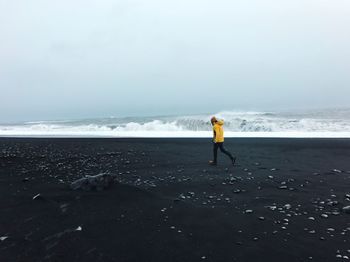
x=237, y=124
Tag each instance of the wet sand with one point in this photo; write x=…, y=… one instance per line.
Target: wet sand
x=282, y=202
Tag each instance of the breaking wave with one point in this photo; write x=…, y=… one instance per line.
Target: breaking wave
x=260, y=124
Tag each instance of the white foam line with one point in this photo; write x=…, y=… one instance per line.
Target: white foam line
x=175, y=134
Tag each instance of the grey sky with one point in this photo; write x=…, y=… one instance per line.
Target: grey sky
x=62, y=59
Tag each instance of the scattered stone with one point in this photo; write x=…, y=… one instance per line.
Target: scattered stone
x=346, y=209
x=249, y=211
x=272, y=207
x=79, y=228
x=311, y=218
x=337, y=171
x=287, y=206
x=283, y=187
x=64, y=207
x=3, y=238
x=38, y=196
x=97, y=182
x=324, y=215
x=262, y=218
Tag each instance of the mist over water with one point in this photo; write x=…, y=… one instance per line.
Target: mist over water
x=321, y=123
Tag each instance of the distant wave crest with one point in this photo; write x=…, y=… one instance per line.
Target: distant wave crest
x=190, y=125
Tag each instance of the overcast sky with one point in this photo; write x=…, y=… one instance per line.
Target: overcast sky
x=84, y=58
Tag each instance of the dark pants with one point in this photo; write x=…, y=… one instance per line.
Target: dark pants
x=223, y=150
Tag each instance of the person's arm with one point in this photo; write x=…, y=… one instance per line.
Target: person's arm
x=214, y=134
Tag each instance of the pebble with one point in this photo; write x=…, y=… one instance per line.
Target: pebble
x=249, y=211
x=272, y=208
x=346, y=209
x=3, y=238
x=36, y=196
x=262, y=218
x=287, y=206
x=79, y=228
x=311, y=218
x=324, y=215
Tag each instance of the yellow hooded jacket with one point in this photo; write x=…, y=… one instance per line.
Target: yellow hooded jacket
x=218, y=131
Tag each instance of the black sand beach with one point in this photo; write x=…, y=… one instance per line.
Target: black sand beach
x=282, y=202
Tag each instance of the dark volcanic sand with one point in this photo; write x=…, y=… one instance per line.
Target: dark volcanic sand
x=170, y=205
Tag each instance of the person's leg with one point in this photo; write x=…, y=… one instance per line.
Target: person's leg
x=223, y=150
x=215, y=151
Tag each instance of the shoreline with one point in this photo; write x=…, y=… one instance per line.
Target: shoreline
x=196, y=135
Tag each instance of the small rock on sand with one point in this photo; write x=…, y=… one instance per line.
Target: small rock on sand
x=346, y=209
x=37, y=196
x=98, y=182
x=3, y=238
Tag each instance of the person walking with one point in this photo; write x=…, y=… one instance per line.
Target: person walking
x=218, y=141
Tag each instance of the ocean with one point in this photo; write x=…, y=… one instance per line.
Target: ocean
x=313, y=123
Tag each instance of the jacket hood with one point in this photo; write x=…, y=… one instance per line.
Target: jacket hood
x=220, y=122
